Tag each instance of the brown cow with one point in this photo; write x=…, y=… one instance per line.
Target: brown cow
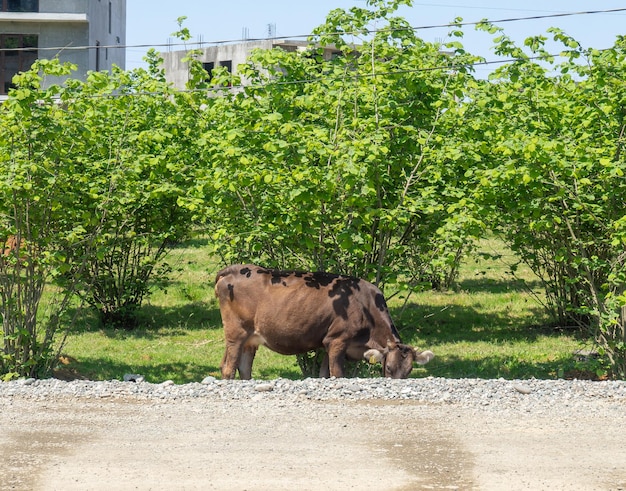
x=13, y=252
x=11, y=245
x=293, y=312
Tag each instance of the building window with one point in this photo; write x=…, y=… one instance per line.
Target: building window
x=15, y=56
x=19, y=5
x=228, y=64
x=110, y=17
x=208, y=67
x=97, y=56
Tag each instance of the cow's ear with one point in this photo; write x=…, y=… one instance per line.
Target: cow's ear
x=373, y=356
x=423, y=357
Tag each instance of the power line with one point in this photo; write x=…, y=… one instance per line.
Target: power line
x=538, y=17
x=480, y=7
x=259, y=86
x=372, y=75
x=322, y=78
x=306, y=36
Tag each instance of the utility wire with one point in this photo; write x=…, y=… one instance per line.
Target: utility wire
x=354, y=76
x=306, y=36
x=479, y=7
x=371, y=75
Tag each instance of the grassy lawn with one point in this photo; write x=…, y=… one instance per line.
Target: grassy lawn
x=490, y=326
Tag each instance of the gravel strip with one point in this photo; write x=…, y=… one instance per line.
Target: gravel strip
x=498, y=395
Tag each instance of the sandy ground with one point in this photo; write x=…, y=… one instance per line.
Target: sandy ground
x=265, y=444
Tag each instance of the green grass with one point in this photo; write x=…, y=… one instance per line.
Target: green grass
x=491, y=326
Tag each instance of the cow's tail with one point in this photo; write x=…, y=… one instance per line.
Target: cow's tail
x=226, y=271
x=235, y=269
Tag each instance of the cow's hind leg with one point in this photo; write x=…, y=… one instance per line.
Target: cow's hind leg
x=230, y=361
x=236, y=335
x=245, y=361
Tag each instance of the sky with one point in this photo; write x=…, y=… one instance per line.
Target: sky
x=152, y=22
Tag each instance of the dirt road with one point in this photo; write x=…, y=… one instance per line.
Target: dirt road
x=106, y=444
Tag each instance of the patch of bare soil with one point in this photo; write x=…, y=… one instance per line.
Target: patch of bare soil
x=103, y=444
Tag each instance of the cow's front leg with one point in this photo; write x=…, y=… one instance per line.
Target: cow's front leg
x=324, y=368
x=336, y=354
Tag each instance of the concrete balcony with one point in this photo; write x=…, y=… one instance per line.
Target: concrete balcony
x=43, y=17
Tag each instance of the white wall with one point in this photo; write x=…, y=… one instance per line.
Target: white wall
x=64, y=24
x=98, y=14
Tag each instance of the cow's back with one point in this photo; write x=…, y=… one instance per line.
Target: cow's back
x=278, y=309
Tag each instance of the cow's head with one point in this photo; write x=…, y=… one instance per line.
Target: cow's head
x=397, y=359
